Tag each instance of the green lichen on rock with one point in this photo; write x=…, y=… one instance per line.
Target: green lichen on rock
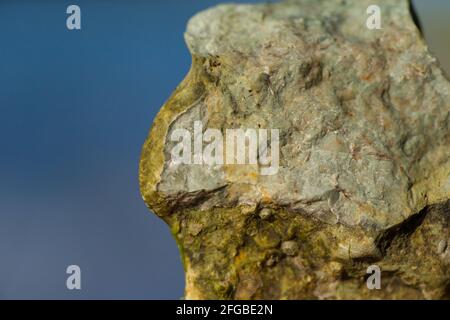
x=364, y=175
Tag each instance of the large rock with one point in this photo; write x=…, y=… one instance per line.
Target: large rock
x=363, y=120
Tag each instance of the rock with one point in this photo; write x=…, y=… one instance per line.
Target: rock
x=289, y=248
x=442, y=246
x=265, y=213
x=345, y=135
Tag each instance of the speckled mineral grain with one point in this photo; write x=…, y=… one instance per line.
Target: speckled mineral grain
x=364, y=160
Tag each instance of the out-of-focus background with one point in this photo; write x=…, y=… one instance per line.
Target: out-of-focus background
x=435, y=18
x=75, y=108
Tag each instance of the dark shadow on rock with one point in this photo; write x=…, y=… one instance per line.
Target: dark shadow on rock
x=415, y=16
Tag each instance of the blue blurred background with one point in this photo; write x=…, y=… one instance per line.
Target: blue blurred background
x=75, y=108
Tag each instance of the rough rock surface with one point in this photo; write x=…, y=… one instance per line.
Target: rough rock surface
x=364, y=172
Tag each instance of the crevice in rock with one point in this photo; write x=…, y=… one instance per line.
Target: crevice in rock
x=415, y=17
x=403, y=230
x=446, y=295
